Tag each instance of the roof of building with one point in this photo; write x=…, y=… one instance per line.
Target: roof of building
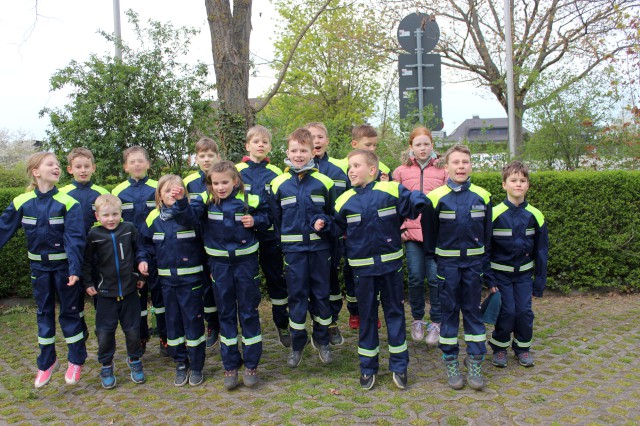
x=479, y=129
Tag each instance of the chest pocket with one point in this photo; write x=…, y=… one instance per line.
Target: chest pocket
x=447, y=216
x=354, y=220
x=288, y=202
x=478, y=212
x=390, y=213
x=318, y=200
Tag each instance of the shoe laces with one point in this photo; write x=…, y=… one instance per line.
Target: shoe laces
x=433, y=327
x=230, y=373
x=524, y=356
x=285, y=332
x=136, y=366
x=452, y=369
x=74, y=369
x=501, y=356
x=475, y=368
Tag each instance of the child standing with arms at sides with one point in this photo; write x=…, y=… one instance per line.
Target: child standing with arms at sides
x=302, y=200
x=55, y=240
x=365, y=137
x=420, y=172
x=206, y=156
x=171, y=235
x=231, y=219
x=138, y=195
x=81, y=164
x=333, y=169
x=110, y=257
x=519, y=253
x=257, y=173
x=456, y=227
x=371, y=213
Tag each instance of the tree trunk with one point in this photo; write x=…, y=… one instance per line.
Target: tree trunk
x=230, y=34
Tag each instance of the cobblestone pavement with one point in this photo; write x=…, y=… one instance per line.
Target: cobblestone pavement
x=587, y=372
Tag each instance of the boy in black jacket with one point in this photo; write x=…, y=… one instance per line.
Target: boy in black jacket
x=110, y=257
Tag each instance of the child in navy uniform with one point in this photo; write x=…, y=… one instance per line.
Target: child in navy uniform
x=171, y=235
x=110, y=257
x=519, y=252
x=456, y=228
x=54, y=229
x=371, y=213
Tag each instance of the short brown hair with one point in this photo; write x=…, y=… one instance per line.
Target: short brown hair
x=303, y=136
x=515, y=167
x=206, y=144
x=224, y=166
x=456, y=148
x=258, y=131
x=107, y=200
x=363, y=131
x=135, y=149
x=370, y=157
x=168, y=180
x=80, y=152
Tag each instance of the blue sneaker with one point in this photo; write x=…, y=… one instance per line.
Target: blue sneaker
x=137, y=374
x=106, y=377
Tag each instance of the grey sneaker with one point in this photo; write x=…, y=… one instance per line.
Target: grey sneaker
x=250, y=377
x=433, y=334
x=400, y=380
x=294, y=359
x=284, y=335
x=525, y=359
x=324, y=351
x=417, y=330
x=230, y=379
x=335, y=337
x=499, y=359
x=196, y=378
x=182, y=374
x=367, y=381
x=474, y=371
x=455, y=379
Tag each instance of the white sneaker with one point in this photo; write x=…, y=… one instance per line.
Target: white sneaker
x=433, y=334
x=417, y=330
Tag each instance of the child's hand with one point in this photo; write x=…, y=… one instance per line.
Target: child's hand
x=384, y=177
x=140, y=284
x=247, y=221
x=143, y=267
x=493, y=289
x=177, y=192
x=73, y=279
x=318, y=225
x=91, y=291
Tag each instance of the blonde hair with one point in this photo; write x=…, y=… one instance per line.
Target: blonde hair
x=302, y=136
x=206, y=144
x=33, y=162
x=107, y=200
x=133, y=150
x=405, y=158
x=317, y=125
x=80, y=152
x=258, y=131
x=224, y=166
x=163, y=182
x=370, y=157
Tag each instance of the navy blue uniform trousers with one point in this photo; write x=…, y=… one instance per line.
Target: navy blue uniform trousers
x=390, y=286
x=46, y=284
x=271, y=263
x=236, y=287
x=210, y=307
x=335, y=291
x=152, y=287
x=110, y=311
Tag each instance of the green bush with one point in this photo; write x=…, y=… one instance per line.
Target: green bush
x=593, y=230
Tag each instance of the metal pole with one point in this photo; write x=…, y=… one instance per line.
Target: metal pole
x=419, y=50
x=511, y=102
x=116, y=28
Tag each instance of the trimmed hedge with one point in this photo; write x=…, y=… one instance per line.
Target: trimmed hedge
x=593, y=218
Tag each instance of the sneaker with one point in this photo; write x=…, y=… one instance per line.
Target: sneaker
x=212, y=337
x=195, y=378
x=294, y=359
x=284, y=335
x=44, y=376
x=400, y=379
x=230, y=379
x=417, y=330
x=335, y=337
x=525, y=359
x=354, y=322
x=72, y=376
x=107, y=377
x=324, y=351
x=367, y=381
x=137, y=374
x=250, y=377
x=455, y=379
x=164, y=348
x=182, y=374
x=433, y=334
x=499, y=359
x=474, y=371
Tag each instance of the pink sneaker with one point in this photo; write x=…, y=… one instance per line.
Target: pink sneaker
x=72, y=376
x=44, y=377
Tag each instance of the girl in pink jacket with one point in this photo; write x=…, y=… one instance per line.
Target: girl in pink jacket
x=420, y=171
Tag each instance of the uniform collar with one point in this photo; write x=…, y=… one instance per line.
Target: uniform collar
x=81, y=185
x=367, y=187
x=513, y=206
x=142, y=181
x=457, y=187
x=51, y=193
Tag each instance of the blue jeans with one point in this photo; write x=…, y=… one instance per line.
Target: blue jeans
x=420, y=267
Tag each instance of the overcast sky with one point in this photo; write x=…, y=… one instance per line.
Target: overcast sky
x=36, y=43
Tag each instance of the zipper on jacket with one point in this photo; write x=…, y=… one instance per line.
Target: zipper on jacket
x=115, y=250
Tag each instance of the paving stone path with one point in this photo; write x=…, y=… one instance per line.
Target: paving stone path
x=587, y=372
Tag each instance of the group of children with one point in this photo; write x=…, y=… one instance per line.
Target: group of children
x=197, y=245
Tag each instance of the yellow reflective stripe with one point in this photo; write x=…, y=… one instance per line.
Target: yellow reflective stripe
x=81, y=314
x=522, y=344
x=447, y=215
x=398, y=349
x=199, y=340
x=189, y=271
x=322, y=321
x=210, y=310
x=216, y=252
x=291, y=238
x=502, y=232
x=392, y=256
x=33, y=256
x=50, y=256
x=335, y=297
x=127, y=206
x=160, y=310
x=158, y=236
x=29, y=220
x=500, y=344
x=56, y=221
x=295, y=325
x=475, y=337
x=196, y=287
x=448, y=340
x=287, y=201
x=499, y=267
x=175, y=342
x=74, y=339
x=475, y=251
x=352, y=299
x=447, y=253
x=354, y=218
x=215, y=216
x=314, y=236
x=317, y=198
x=530, y=231
x=229, y=342
x=280, y=302
x=477, y=214
x=389, y=211
x=527, y=266
x=164, y=272
x=361, y=262
x=186, y=234
x=368, y=352
x=252, y=340
x=46, y=340
x=248, y=250
x=143, y=313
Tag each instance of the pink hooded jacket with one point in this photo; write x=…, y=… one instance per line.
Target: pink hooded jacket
x=413, y=177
